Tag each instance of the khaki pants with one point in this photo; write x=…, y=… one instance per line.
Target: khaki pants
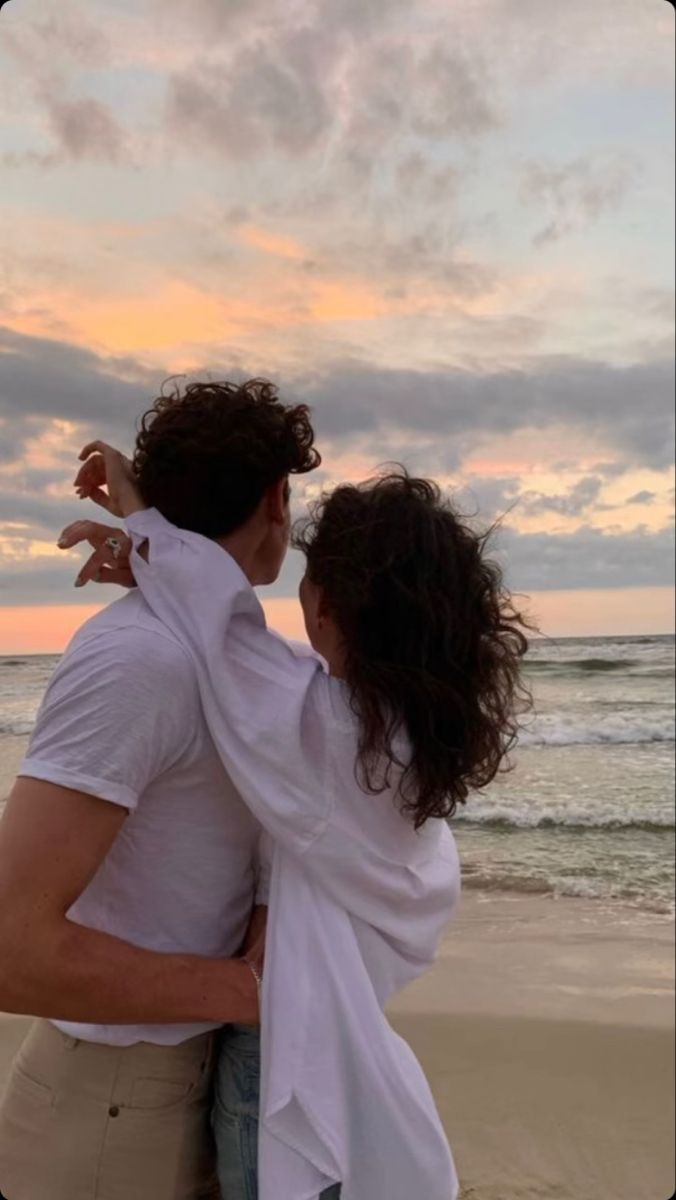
x=84, y=1121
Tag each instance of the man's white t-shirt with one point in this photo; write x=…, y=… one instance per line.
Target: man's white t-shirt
x=122, y=720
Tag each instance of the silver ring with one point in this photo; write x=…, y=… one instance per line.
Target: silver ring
x=115, y=545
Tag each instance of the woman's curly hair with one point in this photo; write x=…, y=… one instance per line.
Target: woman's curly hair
x=432, y=640
x=205, y=456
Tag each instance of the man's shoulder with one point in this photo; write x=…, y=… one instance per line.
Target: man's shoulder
x=130, y=632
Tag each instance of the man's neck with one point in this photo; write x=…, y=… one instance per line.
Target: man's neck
x=243, y=547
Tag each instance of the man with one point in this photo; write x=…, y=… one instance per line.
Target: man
x=127, y=859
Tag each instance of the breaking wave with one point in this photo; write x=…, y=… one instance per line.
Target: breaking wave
x=618, y=728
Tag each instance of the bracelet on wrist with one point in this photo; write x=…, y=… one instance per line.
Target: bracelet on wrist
x=256, y=974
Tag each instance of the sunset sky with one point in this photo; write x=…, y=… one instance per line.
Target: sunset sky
x=448, y=226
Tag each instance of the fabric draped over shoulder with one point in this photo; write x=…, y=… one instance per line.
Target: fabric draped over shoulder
x=358, y=901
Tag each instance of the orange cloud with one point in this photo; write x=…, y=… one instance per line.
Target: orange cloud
x=174, y=314
x=271, y=243
x=178, y=316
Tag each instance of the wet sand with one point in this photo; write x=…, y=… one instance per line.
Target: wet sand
x=547, y=1031
x=12, y=750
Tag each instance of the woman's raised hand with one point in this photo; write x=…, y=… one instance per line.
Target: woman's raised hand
x=103, y=466
x=110, y=561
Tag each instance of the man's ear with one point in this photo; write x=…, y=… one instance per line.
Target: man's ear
x=278, y=495
x=323, y=610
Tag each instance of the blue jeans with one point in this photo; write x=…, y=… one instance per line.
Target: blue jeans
x=235, y=1114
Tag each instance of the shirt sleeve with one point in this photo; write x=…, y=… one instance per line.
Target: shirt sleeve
x=263, y=701
x=117, y=714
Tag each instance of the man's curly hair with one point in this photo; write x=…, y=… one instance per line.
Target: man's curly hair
x=206, y=455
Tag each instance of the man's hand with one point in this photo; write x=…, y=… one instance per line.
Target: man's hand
x=254, y=943
x=110, y=561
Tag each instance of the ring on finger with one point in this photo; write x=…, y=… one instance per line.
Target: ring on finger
x=115, y=545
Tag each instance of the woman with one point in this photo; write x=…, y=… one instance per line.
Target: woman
x=352, y=765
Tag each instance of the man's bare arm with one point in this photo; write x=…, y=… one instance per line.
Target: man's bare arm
x=52, y=842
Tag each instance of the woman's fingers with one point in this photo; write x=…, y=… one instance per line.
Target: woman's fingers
x=110, y=561
x=92, y=473
x=122, y=576
x=73, y=534
x=95, y=565
x=96, y=570
x=94, y=533
x=122, y=497
x=101, y=498
x=97, y=447
x=90, y=481
x=91, y=570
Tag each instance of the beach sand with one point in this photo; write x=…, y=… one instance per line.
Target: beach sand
x=548, y=1037
x=12, y=750
x=547, y=1032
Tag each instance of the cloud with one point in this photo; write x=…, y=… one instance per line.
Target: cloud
x=40, y=46
x=570, y=504
x=453, y=96
x=82, y=130
x=269, y=97
x=45, y=582
x=43, y=381
x=39, y=516
x=86, y=128
x=576, y=194
x=609, y=470
x=48, y=55
x=533, y=562
x=53, y=394
x=628, y=409
x=587, y=558
x=643, y=497
x=615, y=41
x=301, y=85
x=487, y=498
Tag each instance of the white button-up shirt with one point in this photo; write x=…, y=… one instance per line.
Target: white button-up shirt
x=358, y=901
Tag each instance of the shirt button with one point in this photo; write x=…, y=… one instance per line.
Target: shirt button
x=114, y=1111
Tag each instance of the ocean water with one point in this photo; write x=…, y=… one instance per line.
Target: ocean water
x=22, y=684
x=588, y=808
